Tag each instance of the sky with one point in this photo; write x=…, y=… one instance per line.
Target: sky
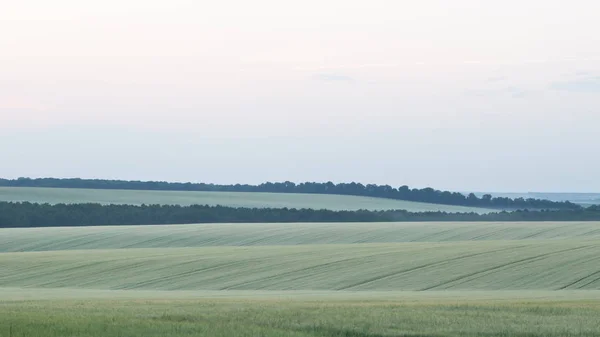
x=463, y=95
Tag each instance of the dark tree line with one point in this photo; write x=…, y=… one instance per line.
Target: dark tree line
x=25, y=214
x=428, y=195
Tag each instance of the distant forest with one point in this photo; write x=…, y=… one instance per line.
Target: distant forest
x=25, y=214
x=428, y=195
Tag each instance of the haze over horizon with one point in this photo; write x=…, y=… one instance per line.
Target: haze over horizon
x=461, y=95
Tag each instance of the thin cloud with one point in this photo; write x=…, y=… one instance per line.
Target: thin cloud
x=514, y=92
x=584, y=73
x=349, y=66
x=496, y=79
x=492, y=62
x=334, y=77
x=587, y=84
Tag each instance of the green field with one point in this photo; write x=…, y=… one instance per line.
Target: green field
x=490, y=265
x=210, y=235
x=233, y=199
x=270, y=317
x=357, y=280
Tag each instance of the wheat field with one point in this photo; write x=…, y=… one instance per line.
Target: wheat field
x=233, y=199
x=265, y=234
x=337, y=280
x=491, y=265
x=279, y=317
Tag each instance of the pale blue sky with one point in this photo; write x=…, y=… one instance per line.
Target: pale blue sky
x=461, y=95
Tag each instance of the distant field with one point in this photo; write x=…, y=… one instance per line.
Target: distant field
x=208, y=235
x=234, y=199
x=585, y=199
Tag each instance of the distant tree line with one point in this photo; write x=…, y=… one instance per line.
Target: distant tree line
x=26, y=214
x=428, y=195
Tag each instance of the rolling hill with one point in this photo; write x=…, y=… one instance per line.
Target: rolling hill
x=334, y=279
x=490, y=265
x=234, y=199
x=273, y=234
x=324, y=257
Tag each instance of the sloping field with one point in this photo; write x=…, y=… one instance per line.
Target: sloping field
x=490, y=265
x=205, y=235
x=234, y=199
x=306, y=280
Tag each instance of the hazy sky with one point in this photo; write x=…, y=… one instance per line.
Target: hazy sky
x=461, y=95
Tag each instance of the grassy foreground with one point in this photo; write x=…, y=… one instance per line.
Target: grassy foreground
x=233, y=199
x=276, y=317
